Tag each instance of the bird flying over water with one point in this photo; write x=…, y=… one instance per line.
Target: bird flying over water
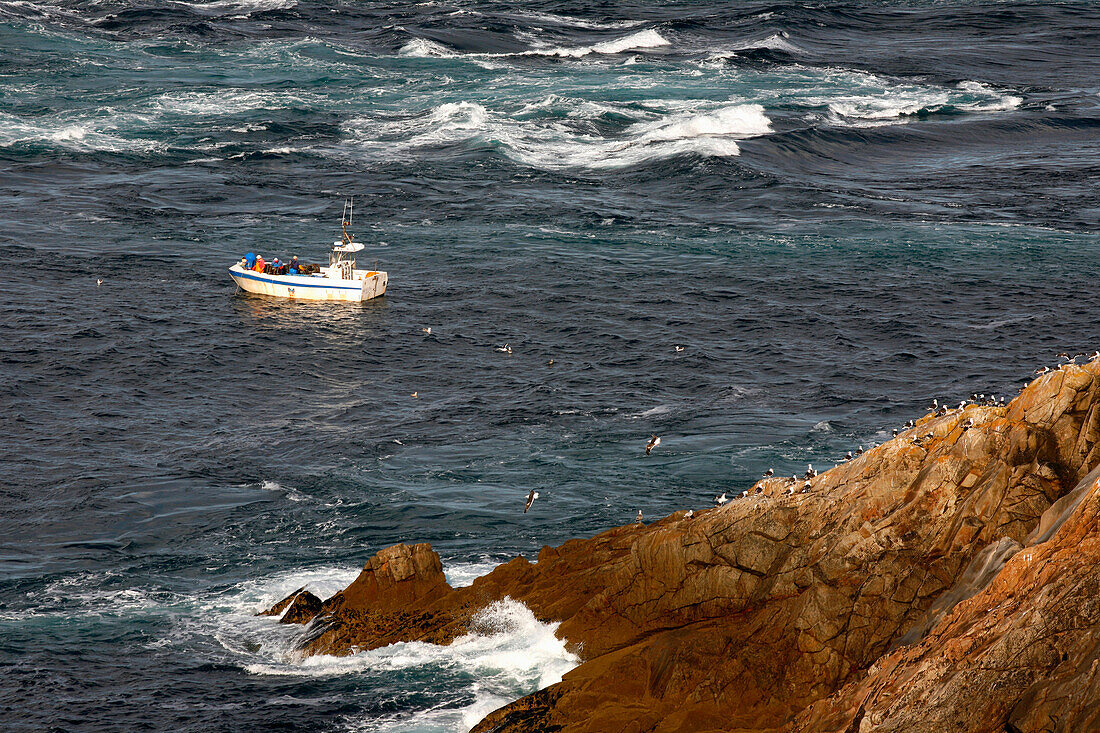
x=653, y=443
x=530, y=500
x=427, y=330
x=413, y=395
x=506, y=349
x=98, y=282
x=679, y=349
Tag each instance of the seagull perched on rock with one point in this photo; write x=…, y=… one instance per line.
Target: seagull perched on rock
x=744, y=493
x=1094, y=356
x=689, y=514
x=1042, y=370
x=810, y=472
x=769, y=473
x=653, y=443
x=895, y=432
x=848, y=456
x=935, y=405
x=530, y=500
x=859, y=451
x=638, y=518
x=806, y=487
x=720, y=499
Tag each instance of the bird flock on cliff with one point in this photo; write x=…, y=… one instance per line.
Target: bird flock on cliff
x=790, y=484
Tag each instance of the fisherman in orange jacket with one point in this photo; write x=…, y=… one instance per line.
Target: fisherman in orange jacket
x=259, y=267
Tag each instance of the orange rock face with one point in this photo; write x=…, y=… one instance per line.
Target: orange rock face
x=932, y=583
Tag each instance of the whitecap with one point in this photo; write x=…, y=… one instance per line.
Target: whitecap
x=242, y=8
x=634, y=42
x=423, y=48
x=555, y=145
x=774, y=42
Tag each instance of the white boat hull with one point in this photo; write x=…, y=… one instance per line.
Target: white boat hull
x=363, y=285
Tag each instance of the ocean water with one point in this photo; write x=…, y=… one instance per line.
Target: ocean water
x=839, y=211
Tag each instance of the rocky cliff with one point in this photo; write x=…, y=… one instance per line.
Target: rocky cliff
x=946, y=580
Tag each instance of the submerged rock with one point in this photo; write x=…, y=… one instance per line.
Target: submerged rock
x=930, y=583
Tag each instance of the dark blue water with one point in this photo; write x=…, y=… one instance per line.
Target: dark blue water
x=839, y=212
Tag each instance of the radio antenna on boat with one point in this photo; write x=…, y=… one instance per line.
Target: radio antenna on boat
x=349, y=212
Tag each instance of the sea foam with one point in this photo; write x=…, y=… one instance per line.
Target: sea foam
x=634, y=42
x=554, y=145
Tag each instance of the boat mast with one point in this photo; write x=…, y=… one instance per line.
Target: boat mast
x=349, y=205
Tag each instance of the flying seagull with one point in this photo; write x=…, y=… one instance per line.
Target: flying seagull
x=530, y=500
x=653, y=443
x=679, y=349
x=427, y=330
x=98, y=282
x=506, y=349
x=414, y=394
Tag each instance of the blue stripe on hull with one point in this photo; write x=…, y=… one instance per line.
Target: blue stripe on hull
x=289, y=284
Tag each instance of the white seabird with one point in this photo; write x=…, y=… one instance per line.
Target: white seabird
x=689, y=514
x=413, y=395
x=769, y=473
x=427, y=330
x=506, y=349
x=679, y=349
x=98, y=282
x=653, y=443
x=1042, y=370
x=720, y=499
x=530, y=500
x=638, y=518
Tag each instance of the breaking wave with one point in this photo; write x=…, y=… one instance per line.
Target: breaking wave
x=634, y=42
x=552, y=144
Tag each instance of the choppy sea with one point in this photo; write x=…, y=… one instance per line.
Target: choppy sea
x=839, y=210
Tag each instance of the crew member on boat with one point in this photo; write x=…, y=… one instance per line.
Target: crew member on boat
x=259, y=266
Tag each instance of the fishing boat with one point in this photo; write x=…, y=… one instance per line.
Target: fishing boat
x=341, y=280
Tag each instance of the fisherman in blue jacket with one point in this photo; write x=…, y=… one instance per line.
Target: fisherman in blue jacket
x=250, y=260
x=293, y=265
